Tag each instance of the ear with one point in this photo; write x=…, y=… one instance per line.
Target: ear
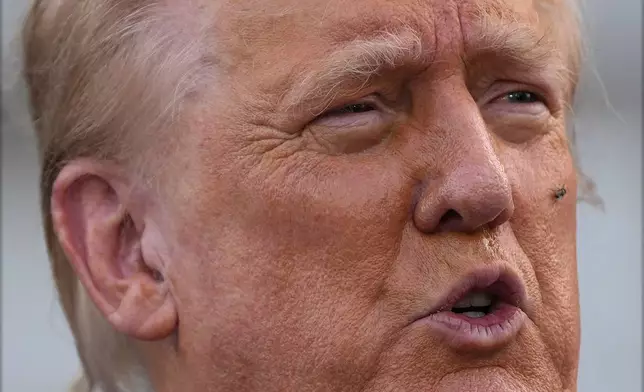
x=101, y=230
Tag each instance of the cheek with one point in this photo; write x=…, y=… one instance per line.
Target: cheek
x=294, y=259
x=545, y=229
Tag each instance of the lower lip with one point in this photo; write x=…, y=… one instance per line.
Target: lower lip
x=489, y=332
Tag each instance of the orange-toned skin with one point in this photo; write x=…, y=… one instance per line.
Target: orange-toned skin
x=296, y=249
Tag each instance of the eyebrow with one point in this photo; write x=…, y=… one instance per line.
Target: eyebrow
x=517, y=42
x=355, y=65
x=359, y=61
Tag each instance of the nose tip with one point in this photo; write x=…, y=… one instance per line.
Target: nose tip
x=468, y=200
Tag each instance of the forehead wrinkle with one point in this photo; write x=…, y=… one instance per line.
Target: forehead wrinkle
x=499, y=31
x=355, y=64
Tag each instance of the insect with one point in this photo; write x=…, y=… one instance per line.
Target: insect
x=560, y=192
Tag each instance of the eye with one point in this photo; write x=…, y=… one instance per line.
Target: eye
x=352, y=109
x=520, y=102
x=352, y=127
x=518, y=116
x=522, y=97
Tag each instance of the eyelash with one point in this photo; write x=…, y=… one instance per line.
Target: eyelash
x=535, y=98
x=363, y=107
x=353, y=108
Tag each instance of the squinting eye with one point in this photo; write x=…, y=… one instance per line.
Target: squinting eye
x=522, y=97
x=352, y=127
x=353, y=108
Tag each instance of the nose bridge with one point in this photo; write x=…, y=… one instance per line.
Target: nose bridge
x=457, y=115
x=475, y=163
x=458, y=129
x=471, y=189
x=448, y=112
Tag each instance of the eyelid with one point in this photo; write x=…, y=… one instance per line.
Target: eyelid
x=369, y=99
x=506, y=98
x=506, y=92
x=503, y=87
x=381, y=116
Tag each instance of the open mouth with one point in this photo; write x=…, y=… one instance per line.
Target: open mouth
x=485, y=304
x=477, y=304
x=484, y=311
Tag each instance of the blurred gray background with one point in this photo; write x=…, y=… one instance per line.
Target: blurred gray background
x=37, y=349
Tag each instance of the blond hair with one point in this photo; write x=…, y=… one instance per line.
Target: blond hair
x=96, y=70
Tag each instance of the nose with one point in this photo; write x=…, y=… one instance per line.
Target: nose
x=474, y=195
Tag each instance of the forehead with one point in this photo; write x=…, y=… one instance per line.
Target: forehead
x=282, y=50
x=254, y=28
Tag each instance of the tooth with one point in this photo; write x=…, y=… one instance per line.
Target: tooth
x=464, y=303
x=474, y=314
x=481, y=299
x=474, y=299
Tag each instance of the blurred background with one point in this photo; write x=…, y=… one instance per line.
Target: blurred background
x=37, y=349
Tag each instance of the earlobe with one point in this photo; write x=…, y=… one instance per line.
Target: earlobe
x=89, y=206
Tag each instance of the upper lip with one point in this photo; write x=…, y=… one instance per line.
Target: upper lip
x=503, y=283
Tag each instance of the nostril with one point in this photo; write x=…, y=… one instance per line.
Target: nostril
x=450, y=218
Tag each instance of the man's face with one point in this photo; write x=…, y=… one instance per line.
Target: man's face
x=355, y=163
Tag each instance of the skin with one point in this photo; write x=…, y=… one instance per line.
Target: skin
x=292, y=250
